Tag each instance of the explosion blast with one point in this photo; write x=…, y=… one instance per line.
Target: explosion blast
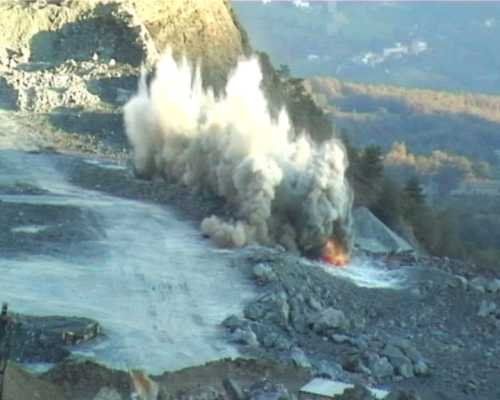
x=285, y=189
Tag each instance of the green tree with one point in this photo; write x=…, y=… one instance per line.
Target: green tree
x=388, y=207
x=283, y=90
x=371, y=163
x=414, y=191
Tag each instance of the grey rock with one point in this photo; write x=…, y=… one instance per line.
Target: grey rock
x=282, y=343
x=337, y=338
x=298, y=315
x=479, y=283
x=493, y=285
x=267, y=391
x=246, y=337
x=328, y=320
x=392, y=351
x=269, y=337
x=329, y=369
x=299, y=358
x=402, y=395
x=273, y=308
x=353, y=363
x=264, y=273
x=233, y=389
x=234, y=322
x=314, y=304
x=408, y=349
x=458, y=282
x=268, y=340
x=46, y=339
x=402, y=364
x=486, y=308
x=256, y=311
x=358, y=392
x=421, y=368
x=403, y=344
x=382, y=368
x=361, y=342
x=405, y=369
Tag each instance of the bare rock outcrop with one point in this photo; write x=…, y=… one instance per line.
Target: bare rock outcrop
x=64, y=55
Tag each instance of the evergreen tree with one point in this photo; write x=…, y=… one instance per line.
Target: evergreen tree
x=388, y=207
x=371, y=164
x=414, y=191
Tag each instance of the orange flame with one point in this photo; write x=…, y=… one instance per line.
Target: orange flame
x=333, y=253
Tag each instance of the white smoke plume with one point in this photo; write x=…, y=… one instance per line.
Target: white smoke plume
x=286, y=190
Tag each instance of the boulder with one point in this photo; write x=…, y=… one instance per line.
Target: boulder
x=479, y=283
x=373, y=236
x=233, y=389
x=270, y=337
x=272, y=308
x=263, y=274
x=299, y=358
x=329, y=320
x=402, y=364
x=493, y=285
x=234, y=322
x=421, y=368
x=486, y=308
x=245, y=337
x=402, y=395
x=381, y=368
x=457, y=282
x=357, y=392
x=265, y=390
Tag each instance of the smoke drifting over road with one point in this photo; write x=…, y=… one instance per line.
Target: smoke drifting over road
x=286, y=189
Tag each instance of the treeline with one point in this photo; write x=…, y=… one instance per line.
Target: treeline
x=443, y=170
x=283, y=90
x=426, y=120
x=399, y=99
x=452, y=231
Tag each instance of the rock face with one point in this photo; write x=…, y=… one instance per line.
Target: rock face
x=203, y=30
x=372, y=236
x=48, y=339
x=87, y=54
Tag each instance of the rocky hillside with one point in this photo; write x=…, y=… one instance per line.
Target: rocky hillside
x=51, y=32
x=204, y=30
x=75, y=63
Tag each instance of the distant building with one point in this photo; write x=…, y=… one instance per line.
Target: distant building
x=397, y=50
x=418, y=46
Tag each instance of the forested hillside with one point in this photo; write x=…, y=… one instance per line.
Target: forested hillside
x=425, y=120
